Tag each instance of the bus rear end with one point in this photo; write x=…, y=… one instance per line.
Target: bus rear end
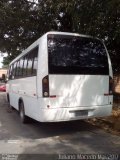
x=79, y=80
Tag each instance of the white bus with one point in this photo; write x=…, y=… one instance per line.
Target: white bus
x=61, y=77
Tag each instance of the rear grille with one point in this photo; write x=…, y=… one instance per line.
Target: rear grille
x=79, y=113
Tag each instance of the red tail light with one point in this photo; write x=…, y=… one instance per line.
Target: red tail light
x=110, y=86
x=53, y=96
x=45, y=86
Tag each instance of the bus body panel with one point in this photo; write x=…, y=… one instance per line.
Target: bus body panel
x=42, y=64
x=71, y=97
x=79, y=90
x=68, y=114
x=25, y=89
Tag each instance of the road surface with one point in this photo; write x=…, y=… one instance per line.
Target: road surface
x=51, y=138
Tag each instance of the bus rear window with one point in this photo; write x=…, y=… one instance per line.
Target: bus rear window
x=76, y=55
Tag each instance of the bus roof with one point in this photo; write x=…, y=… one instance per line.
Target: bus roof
x=37, y=42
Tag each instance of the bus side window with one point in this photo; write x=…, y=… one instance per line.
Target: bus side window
x=14, y=69
x=29, y=64
x=32, y=62
x=21, y=67
x=35, y=61
x=10, y=74
x=17, y=69
x=24, y=66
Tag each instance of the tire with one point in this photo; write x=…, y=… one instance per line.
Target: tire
x=23, y=117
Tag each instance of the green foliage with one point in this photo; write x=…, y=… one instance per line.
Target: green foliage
x=22, y=22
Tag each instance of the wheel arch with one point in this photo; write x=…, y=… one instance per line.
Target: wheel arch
x=8, y=97
x=19, y=101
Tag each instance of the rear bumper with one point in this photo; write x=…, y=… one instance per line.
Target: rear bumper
x=68, y=114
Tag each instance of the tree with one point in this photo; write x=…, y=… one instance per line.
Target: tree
x=22, y=22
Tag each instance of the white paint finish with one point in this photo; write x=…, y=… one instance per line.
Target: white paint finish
x=42, y=64
x=63, y=114
x=74, y=92
x=109, y=62
x=24, y=88
x=14, y=99
x=31, y=107
x=78, y=90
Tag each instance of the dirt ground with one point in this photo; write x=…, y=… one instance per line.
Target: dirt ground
x=111, y=123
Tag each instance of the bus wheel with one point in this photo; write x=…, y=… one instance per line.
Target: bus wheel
x=23, y=117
